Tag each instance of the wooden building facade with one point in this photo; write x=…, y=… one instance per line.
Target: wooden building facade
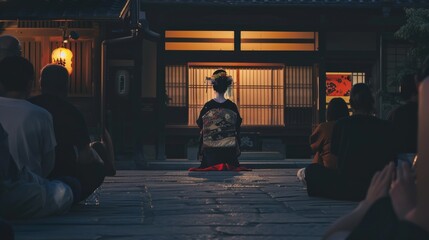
x=41, y=26
x=148, y=86
x=284, y=57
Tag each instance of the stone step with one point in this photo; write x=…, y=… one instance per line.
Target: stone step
x=184, y=164
x=261, y=156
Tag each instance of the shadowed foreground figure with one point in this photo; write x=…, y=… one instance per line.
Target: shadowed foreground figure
x=27, y=150
x=31, y=137
x=74, y=156
x=320, y=143
x=320, y=139
x=396, y=206
x=9, y=46
x=219, y=122
x=362, y=143
x=404, y=117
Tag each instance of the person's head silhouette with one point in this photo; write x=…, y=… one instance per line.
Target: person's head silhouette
x=9, y=46
x=361, y=99
x=17, y=75
x=337, y=109
x=54, y=80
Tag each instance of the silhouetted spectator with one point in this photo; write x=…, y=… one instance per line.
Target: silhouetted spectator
x=74, y=156
x=396, y=206
x=31, y=134
x=320, y=139
x=27, y=195
x=404, y=117
x=9, y=46
x=320, y=142
x=362, y=143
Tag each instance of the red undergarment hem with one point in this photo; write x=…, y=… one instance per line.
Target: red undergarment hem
x=221, y=167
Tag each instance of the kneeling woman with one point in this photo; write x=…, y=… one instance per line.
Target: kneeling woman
x=219, y=122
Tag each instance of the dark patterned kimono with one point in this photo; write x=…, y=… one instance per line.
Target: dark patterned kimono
x=220, y=129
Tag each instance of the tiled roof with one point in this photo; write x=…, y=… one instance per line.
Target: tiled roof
x=111, y=9
x=310, y=3
x=61, y=9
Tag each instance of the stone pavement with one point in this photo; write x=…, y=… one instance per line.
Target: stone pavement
x=262, y=204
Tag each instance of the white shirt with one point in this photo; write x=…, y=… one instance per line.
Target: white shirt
x=31, y=134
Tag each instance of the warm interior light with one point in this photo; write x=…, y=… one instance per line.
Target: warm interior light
x=258, y=92
x=63, y=56
x=199, y=34
x=278, y=41
x=199, y=40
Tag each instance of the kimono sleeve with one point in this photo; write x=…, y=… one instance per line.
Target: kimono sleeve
x=316, y=140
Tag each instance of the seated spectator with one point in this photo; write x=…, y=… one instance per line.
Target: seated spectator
x=9, y=46
x=404, y=118
x=30, y=129
x=320, y=139
x=23, y=193
x=396, y=207
x=27, y=195
x=362, y=144
x=74, y=156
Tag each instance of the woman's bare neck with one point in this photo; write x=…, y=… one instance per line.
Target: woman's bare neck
x=220, y=98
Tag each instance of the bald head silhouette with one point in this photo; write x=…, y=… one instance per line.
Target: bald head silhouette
x=54, y=80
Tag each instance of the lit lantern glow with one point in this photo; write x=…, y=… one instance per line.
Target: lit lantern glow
x=63, y=56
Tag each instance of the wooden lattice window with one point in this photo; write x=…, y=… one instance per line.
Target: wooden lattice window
x=176, y=85
x=351, y=77
x=396, y=56
x=299, y=95
x=258, y=92
x=32, y=50
x=266, y=95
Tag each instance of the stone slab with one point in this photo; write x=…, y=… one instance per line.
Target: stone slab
x=166, y=204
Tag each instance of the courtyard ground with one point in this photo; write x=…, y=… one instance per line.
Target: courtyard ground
x=171, y=204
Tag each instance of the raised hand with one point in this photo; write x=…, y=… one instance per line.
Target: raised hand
x=380, y=184
x=403, y=191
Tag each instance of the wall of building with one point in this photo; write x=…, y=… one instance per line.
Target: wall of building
x=39, y=38
x=149, y=69
x=351, y=41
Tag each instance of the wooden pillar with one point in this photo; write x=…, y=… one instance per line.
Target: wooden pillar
x=161, y=100
x=322, y=76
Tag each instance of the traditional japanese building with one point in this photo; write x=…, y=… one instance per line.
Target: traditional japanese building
x=139, y=67
x=288, y=59
x=80, y=26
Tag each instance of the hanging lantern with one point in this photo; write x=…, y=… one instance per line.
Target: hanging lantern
x=63, y=56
